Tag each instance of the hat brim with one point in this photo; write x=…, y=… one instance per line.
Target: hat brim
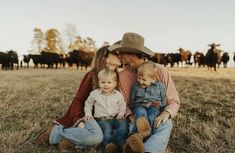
x=116, y=47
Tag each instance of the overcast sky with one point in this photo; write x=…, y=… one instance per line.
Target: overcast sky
x=166, y=25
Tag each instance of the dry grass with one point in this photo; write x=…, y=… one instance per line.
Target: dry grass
x=30, y=99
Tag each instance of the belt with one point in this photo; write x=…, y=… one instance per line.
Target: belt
x=104, y=118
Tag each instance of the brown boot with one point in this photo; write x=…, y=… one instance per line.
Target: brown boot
x=43, y=137
x=143, y=127
x=66, y=146
x=110, y=148
x=134, y=144
x=121, y=148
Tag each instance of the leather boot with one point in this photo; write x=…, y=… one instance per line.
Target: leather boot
x=134, y=144
x=110, y=148
x=43, y=137
x=143, y=127
x=66, y=146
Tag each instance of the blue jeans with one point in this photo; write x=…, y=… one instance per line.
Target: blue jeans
x=82, y=137
x=150, y=113
x=115, y=131
x=158, y=141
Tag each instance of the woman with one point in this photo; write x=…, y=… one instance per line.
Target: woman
x=63, y=129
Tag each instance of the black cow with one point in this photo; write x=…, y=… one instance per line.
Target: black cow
x=37, y=60
x=234, y=58
x=173, y=58
x=45, y=58
x=8, y=59
x=225, y=59
x=50, y=59
x=213, y=56
x=26, y=59
x=80, y=58
x=199, y=59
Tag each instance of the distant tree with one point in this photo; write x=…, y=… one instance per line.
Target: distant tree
x=53, y=41
x=90, y=44
x=70, y=32
x=77, y=44
x=38, y=41
x=105, y=43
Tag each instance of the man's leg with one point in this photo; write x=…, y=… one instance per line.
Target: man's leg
x=157, y=143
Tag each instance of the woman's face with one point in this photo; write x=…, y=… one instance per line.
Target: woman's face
x=112, y=61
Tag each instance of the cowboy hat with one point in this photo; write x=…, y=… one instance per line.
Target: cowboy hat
x=213, y=44
x=131, y=43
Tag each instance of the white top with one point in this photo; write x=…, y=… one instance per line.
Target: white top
x=105, y=105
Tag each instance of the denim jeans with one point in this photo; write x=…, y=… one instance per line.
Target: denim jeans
x=82, y=137
x=158, y=141
x=150, y=113
x=115, y=131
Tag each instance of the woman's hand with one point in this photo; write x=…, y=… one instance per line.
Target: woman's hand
x=163, y=117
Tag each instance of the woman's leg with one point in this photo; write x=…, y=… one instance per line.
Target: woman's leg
x=81, y=137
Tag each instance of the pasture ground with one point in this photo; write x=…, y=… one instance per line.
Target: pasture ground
x=30, y=99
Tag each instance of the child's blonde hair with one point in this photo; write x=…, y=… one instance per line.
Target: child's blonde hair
x=107, y=73
x=148, y=68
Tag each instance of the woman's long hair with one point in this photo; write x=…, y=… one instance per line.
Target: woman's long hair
x=98, y=63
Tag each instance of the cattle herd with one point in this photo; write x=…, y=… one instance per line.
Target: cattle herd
x=82, y=59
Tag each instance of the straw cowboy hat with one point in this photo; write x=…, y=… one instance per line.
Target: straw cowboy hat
x=131, y=43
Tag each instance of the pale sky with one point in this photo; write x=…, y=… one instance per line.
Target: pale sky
x=166, y=25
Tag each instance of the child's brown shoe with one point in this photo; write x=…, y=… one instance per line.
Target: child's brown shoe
x=143, y=127
x=110, y=148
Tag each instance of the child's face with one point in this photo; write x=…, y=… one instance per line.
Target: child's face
x=107, y=84
x=145, y=80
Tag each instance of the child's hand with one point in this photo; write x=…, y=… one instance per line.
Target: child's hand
x=118, y=117
x=87, y=118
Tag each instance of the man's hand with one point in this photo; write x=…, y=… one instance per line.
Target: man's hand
x=87, y=117
x=131, y=118
x=163, y=117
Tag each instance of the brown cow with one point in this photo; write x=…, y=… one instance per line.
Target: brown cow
x=160, y=58
x=185, y=55
x=213, y=56
x=199, y=59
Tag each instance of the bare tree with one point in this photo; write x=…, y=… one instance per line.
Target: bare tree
x=71, y=32
x=38, y=40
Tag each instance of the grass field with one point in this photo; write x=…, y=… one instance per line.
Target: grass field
x=30, y=99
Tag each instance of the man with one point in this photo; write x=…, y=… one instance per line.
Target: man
x=132, y=52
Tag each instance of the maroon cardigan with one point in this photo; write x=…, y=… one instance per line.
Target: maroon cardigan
x=76, y=109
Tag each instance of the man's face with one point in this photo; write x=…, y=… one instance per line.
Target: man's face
x=125, y=58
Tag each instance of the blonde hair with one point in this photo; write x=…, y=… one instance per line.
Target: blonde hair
x=148, y=68
x=107, y=73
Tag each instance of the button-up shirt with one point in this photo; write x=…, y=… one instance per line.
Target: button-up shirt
x=105, y=105
x=155, y=92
